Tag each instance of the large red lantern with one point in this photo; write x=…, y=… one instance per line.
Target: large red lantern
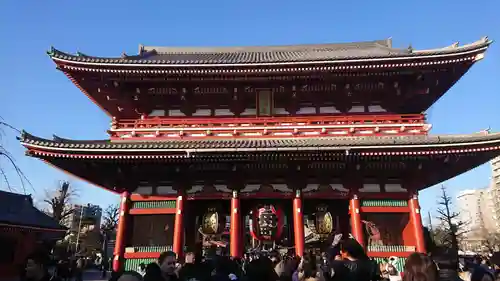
x=266, y=223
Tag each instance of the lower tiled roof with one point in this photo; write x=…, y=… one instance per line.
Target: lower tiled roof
x=60, y=144
x=18, y=209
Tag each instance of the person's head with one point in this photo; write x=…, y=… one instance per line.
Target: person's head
x=445, y=258
x=153, y=272
x=308, y=272
x=352, y=250
x=167, y=261
x=130, y=276
x=481, y=274
x=420, y=267
x=36, y=265
x=274, y=256
x=495, y=260
x=189, y=258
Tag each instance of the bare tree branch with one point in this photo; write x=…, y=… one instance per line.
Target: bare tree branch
x=110, y=218
x=452, y=229
x=489, y=240
x=10, y=159
x=59, y=201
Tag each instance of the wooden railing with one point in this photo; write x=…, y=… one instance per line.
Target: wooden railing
x=197, y=122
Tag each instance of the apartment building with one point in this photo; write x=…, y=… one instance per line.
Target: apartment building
x=84, y=217
x=495, y=173
x=469, y=203
x=84, y=225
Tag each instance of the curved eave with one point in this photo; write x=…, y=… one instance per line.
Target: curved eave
x=470, y=52
x=35, y=228
x=367, y=146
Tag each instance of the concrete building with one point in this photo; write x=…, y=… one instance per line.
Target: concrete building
x=480, y=209
x=469, y=203
x=90, y=218
x=84, y=226
x=495, y=173
x=495, y=183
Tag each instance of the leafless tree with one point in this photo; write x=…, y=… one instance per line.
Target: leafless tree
x=10, y=160
x=439, y=236
x=59, y=201
x=452, y=228
x=110, y=218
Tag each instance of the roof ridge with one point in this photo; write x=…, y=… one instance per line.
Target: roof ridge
x=259, y=48
x=270, y=55
x=14, y=194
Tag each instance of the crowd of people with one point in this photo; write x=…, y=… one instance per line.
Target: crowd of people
x=346, y=261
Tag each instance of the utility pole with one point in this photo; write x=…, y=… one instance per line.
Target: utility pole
x=79, y=229
x=430, y=221
x=431, y=232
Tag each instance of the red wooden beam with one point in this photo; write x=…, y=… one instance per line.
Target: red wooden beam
x=358, y=118
x=140, y=197
x=152, y=211
x=384, y=195
x=389, y=254
x=142, y=255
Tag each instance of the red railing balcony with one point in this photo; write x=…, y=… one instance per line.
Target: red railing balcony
x=271, y=127
x=161, y=122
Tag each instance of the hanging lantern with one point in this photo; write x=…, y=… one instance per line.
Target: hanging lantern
x=266, y=223
x=321, y=222
x=213, y=222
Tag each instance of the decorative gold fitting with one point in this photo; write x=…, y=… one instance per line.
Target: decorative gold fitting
x=355, y=197
x=235, y=194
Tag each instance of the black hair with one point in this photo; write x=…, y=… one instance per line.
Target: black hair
x=445, y=258
x=166, y=254
x=480, y=274
x=39, y=258
x=420, y=267
x=153, y=272
x=353, y=249
x=132, y=273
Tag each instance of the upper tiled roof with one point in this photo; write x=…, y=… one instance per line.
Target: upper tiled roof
x=60, y=144
x=18, y=209
x=268, y=54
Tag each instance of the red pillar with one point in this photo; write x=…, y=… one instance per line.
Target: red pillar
x=120, y=233
x=356, y=225
x=179, y=227
x=298, y=224
x=235, y=224
x=416, y=220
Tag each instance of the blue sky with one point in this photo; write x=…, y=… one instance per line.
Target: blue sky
x=38, y=98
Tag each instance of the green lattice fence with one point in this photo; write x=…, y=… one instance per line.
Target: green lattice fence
x=384, y=203
x=391, y=248
x=133, y=264
x=152, y=249
x=168, y=204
